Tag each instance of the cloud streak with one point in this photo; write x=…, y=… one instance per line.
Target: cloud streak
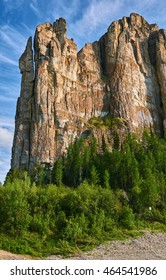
x=13, y=5
x=12, y=39
x=7, y=99
x=6, y=138
x=7, y=122
x=34, y=6
x=4, y=167
x=98, y=13
x=66, y=9
x=5, y=59
x=95, y=20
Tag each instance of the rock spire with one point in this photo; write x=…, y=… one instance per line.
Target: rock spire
x=122, y=75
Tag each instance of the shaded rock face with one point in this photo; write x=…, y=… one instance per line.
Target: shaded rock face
x=122, y=75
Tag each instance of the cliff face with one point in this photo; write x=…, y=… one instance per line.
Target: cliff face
x=121, y=75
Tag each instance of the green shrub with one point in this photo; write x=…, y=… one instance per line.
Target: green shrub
x=127, y=218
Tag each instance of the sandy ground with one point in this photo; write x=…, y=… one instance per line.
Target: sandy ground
x=148, y=247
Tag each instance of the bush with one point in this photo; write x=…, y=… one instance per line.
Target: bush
x=15, y=215
x=127, y=218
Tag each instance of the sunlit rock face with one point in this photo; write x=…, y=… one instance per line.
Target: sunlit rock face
x=122, y=75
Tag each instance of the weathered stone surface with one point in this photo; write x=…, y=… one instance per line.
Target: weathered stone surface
x=122, y=75
x=21, y=142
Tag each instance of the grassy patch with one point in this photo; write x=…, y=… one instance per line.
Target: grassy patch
x=40, y=247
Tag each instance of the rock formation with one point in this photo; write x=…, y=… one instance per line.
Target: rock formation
x=122, y=75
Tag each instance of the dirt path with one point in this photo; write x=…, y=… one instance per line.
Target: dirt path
x=148, y=247
x=4, y=255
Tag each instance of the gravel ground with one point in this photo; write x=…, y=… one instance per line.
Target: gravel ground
x=148, y=247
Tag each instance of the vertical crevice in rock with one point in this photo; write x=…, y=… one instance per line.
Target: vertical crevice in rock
x=161, y=70
x=152, y=47
x=102, y=54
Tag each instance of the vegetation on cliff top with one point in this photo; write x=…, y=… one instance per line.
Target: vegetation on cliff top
x=106, y=122
x=86, y=198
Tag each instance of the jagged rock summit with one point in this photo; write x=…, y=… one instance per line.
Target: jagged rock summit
x=123, y=75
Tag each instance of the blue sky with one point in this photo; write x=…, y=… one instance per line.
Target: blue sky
x=86, y=21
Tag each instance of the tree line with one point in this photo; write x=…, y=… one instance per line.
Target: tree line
x=86, y=197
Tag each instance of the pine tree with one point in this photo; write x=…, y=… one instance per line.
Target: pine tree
x=94, y=176
x=104, y=146
x=86, y=162
x=93, y=149
x=57, y=172
x=106, y=179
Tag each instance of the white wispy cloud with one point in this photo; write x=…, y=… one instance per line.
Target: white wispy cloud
x=12, y=38
x=8, y=71
x=6, y=138
x=8, y=60
x=7, y=99
x=98, y=13
x=12, y=5
x=152, y=10
x=62, y=8
x=95, y=20
x=7, y=122
x=103, y=12
x=4, y=167
x=9, y=92
x=35, y=8
x=10, y=87
x=143, y=5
